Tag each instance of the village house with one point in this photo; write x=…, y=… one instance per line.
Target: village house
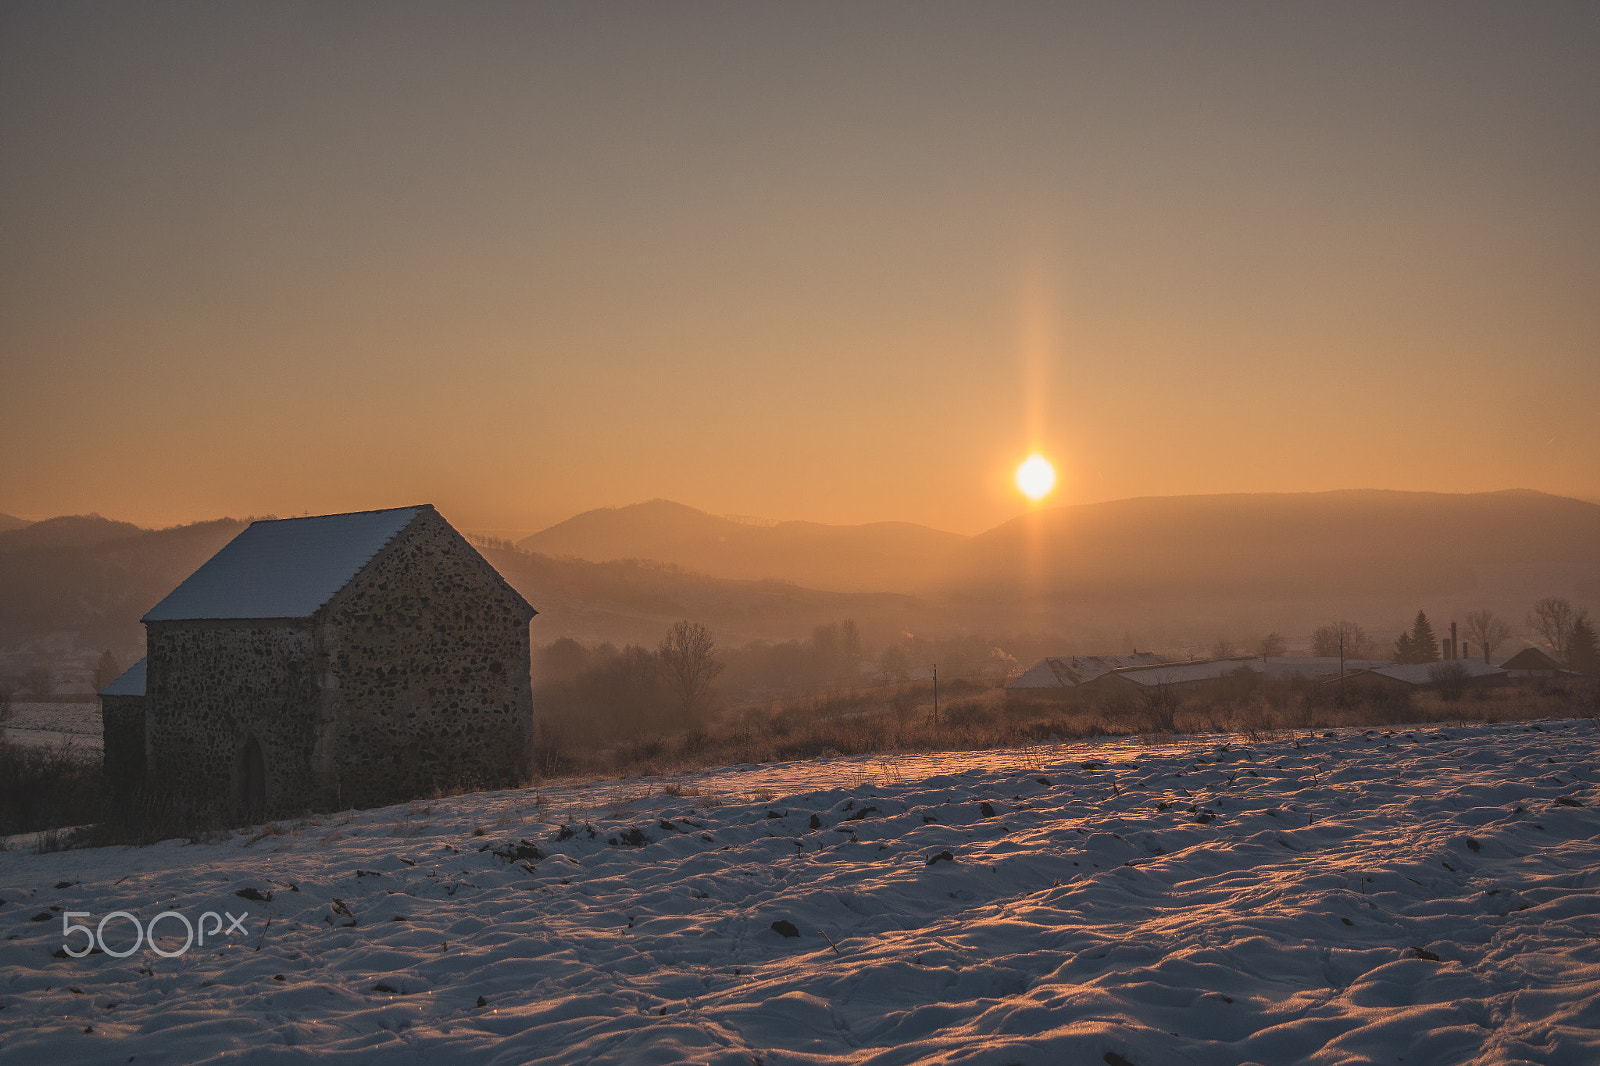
x=340, y=660
x=1532, y=662
x=1179, y=677
x=1146, y=673
x=1401, y=677
x=1062, y=677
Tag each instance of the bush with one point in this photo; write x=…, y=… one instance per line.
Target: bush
x=1159, y=704
x=45, y=788
x=1450, y=678
x=149, y=817
x=963, y=714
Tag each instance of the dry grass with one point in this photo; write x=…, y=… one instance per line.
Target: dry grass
x=856, y=724
x=45, y=791
x=271, y=829
x=47, y=788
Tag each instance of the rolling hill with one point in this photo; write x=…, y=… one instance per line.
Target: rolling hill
x=93, y=579
x=878, y=557
x=68, y=531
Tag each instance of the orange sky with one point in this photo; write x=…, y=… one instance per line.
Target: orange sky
x=799, y=262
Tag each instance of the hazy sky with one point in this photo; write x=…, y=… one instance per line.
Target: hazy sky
x=802, y=261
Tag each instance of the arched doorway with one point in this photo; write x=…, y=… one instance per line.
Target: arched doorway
x=252, y=776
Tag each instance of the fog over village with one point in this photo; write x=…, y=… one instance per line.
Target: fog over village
x=730, y=534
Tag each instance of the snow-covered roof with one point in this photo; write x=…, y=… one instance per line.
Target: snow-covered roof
x=283, y=568
x=1312, y=666
x=1178, y=673
x=1425, y=673
x=1066, y=672
x=129, y=683
x=1530, y=658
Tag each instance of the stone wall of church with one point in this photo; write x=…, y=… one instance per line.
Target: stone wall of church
x=212, y=686
x=122, y=725
x=424, y=662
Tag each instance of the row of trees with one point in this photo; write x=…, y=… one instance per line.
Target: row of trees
x=39, y=681
x=833, y=656
x=1272, y=644
x=612, y=693
x=836, y=657
x=1344, y=640
x=1564, y=630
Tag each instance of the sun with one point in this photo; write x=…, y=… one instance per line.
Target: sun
x=1036, y=477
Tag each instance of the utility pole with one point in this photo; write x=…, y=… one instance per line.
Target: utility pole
x=1341, y=664
x=935, y=693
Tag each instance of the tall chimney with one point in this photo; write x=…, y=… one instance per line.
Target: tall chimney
x=1453, y=644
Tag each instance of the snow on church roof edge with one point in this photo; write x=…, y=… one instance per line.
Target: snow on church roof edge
x=283, y=568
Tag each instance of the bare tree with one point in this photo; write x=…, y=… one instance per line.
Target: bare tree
x=1552, y=619
x=1272, y=645
x=1224, y=648
x=894, y=663
x=1344, y=639
x=687, y=652
x=1159, y=702
x=1487, y=630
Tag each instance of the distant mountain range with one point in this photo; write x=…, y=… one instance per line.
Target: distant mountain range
x=1155, y=569
x=1152, y=572
x=1404, y=543
x=878, y=557
x=1368, y=542
x=93, y=578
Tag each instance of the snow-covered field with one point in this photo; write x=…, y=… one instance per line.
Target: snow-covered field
x=1428, y=896
x=54, y=724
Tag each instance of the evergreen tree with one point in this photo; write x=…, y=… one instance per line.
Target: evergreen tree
x=1402, y=649
x=106, y=670
x=1583, y=650
x=1424, y=645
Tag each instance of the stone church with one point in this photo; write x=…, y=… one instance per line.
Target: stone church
x=336, y=661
